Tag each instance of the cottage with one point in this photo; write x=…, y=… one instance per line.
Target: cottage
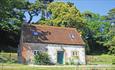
x=63, y=45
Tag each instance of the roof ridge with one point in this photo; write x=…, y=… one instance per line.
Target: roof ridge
x=54, y=27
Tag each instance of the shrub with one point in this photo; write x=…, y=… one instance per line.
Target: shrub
x=66, y=63
x=113, y=61
x=42, y=59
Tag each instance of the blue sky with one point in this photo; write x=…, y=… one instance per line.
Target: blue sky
x=97, y=6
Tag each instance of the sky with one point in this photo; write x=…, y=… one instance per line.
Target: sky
x=97, y=6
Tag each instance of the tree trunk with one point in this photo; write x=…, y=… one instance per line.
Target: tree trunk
x=30, y=18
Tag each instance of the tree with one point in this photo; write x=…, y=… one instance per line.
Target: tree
x=111, y=33
x=34, y=9
x=11, y=17
x=111, y=15
x=95, y=31
x=62, y=14
x=112, y=46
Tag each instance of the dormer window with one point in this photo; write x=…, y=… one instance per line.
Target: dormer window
x=35, y=33
x=72, y=36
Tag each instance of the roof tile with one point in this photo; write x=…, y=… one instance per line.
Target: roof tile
x=51, y=34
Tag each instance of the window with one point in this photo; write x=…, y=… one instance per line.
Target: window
x=74, y=53
x=36, y=52
x=72, y=36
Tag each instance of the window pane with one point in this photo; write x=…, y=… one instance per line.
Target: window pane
x=37, y=52
x=73, y=54
x=34, y=52
x=76, y=53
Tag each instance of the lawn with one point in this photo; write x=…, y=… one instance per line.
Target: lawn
x=100, y=59
x=55, y=67
x=8, y=57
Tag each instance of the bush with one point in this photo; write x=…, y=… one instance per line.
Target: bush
x=113, y=61
x=67, y=63
x=42, y=59
x=112, y=50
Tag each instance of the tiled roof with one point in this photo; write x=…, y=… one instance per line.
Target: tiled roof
x=51, y=34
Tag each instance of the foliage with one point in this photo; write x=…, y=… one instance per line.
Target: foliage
x=12, y=12
x=95, y=32
x=111, y=15
x=11, y=17
x=111, y=46
x=96, y=26
x=42, y=58
x=109, y=42
x=62, y=14
x=34, y=9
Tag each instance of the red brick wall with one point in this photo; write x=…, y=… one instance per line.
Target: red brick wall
x=24, y=53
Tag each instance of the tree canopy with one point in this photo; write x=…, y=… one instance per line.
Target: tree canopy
x=12, y=16
x=13, y=12
x=99, y=31
x=110, y=42
x=62, y=14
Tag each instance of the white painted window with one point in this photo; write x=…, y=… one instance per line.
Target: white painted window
x=36, y=52
x=74, y=53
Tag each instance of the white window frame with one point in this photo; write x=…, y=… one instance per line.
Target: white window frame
x=75, y=53
x=35, y=52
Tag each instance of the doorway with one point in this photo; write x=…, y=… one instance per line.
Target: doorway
x=60, y=55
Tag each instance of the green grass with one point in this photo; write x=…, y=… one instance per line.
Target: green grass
x=100, y=59
x=8, y=57
x=55, y=67
x=27, y=67
x=38, y=68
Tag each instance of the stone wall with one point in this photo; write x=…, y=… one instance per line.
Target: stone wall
x=52, y=50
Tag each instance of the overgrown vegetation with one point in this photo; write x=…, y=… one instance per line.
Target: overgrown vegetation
x=8, y=57
x=42, y=58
